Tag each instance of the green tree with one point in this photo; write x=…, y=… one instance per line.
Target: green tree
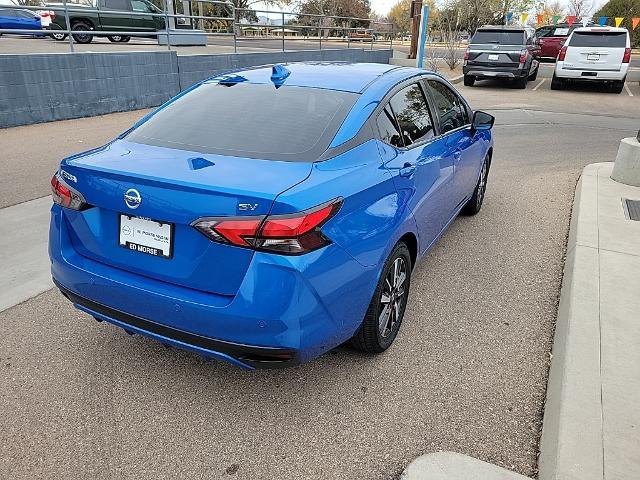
x=622, y=8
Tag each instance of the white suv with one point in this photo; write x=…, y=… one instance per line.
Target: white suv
x=594, y=53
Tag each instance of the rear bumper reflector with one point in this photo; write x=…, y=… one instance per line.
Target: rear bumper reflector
x=254, y=356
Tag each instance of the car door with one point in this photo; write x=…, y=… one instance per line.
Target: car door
x=143, y=22
x=115, y=15
x=457, y=139
x=411, y=151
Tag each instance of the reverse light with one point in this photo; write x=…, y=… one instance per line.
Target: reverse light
x=291, y=234
x=66, y=196
x=562, y=54
x=626, y=58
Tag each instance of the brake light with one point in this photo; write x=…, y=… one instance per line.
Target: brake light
x=466, y=54
x=627, y=55
x=292, y=234
x=562, y=54
x=523, y=56
x=66, y=196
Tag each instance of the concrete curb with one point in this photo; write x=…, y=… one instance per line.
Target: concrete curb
x=571, y=443
x=455, y=466
x=590, y=427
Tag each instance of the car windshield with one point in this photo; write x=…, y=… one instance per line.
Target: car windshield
x=500, y=37
x=599, y=39
x=249, y=120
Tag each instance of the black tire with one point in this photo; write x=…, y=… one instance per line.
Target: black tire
x=57, y=36
x=84, y=37
x=474, y=204
x=115, y=38
x=617, y=86
x=556, y=83
x=378, y=332
x=520, y=83
x=534, y=75
x=469, y=80
x=125, y=39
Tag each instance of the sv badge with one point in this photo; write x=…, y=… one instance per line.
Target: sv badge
x=243, y=207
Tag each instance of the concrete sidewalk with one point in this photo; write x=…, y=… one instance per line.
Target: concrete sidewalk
x=591, y=428
x=25, y=263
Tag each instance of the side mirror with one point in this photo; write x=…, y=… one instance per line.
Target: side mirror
x=482, y=120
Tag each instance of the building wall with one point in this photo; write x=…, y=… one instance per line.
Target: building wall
x=38, y=88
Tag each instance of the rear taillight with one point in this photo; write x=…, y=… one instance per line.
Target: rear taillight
x=66, y=196
x=292, y=234
x=626, y=58
x=562, y=54
x=523, y=56
x=466, y=54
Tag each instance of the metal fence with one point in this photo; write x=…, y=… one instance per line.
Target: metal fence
x=316, y=27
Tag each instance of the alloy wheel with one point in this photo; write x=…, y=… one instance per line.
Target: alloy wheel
x=392, y=298
x=482, y=182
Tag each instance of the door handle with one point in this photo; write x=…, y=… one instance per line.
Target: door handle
x=408, y=169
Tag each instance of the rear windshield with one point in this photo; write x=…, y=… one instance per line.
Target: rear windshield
x=598, y=39
x=500, y=37
x=249, y=120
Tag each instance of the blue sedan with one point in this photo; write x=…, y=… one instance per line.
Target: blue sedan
x=19, y=19
x=265, y=216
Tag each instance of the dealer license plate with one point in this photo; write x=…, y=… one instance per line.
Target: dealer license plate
x=146, y=236
x=593, y=57
x=493, y=56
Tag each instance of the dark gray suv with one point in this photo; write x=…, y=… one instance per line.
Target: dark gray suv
x=502, y=52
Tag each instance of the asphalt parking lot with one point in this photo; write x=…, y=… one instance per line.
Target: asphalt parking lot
x=467, y=372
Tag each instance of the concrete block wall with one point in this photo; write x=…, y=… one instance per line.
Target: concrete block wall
x=194, y=68
x=47, y=87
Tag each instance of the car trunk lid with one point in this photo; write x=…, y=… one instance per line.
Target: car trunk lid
x=595, y=50
x=175, y=187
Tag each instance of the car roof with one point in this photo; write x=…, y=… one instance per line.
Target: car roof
x=503, y=27
x=343, y=76
x=601, y=29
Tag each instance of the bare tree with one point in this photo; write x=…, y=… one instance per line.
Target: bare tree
x=580, y=8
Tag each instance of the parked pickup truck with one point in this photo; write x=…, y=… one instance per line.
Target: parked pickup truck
x=111, y=16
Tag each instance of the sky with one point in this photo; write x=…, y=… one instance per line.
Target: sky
x=383, y=6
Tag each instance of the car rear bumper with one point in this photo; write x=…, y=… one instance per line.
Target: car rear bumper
x=494, y=72
x=588, y=74
x=288, y=309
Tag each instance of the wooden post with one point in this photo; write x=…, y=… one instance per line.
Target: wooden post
x=416, y=9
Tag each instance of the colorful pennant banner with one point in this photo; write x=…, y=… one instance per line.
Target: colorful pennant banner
x=570, y=19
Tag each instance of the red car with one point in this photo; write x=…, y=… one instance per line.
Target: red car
x=551, y=38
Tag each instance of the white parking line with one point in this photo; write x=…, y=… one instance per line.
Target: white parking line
x=538, y=85
x=626, y=87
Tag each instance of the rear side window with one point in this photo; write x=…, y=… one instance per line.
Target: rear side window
x=389, y=131
x=499, y=37
x=249, y=120
x=117, y=5
x=451, y=111
x=599, y=39
x=409, y=107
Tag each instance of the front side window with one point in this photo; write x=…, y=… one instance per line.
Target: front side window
x=140, y=6
x=451, y=111
x=410, y=109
